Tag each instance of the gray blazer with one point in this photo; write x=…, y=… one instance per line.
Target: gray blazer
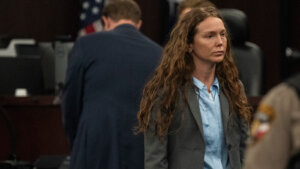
x=184, y=146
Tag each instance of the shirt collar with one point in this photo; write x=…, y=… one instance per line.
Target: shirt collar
x=201, y=86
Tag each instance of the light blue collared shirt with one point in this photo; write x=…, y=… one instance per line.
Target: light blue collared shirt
x=216, y=154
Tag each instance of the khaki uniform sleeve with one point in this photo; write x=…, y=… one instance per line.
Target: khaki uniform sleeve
x=272, y=147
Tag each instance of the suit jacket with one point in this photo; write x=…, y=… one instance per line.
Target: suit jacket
x=105, y=77
x=184, y=146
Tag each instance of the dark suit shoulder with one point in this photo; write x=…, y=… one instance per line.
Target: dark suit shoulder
x=95, y=36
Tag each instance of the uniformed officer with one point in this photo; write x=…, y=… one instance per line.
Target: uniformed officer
x=275, y=131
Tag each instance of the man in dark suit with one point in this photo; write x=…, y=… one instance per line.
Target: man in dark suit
x=105, y=77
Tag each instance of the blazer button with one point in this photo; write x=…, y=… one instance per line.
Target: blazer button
x=229, y=147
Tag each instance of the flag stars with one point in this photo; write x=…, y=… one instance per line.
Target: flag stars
x=85, y=5
x=90, y=16
x=82, y=16
x=95, y=10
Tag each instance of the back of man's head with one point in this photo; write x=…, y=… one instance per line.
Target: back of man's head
x=122, y=9
x=186, y=5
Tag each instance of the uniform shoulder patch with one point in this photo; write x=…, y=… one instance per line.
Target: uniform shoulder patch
x=261, y=123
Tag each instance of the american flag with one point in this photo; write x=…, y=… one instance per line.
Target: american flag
x=90, y=16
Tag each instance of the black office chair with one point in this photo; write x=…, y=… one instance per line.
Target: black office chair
x=248, y=56
x=294, y=162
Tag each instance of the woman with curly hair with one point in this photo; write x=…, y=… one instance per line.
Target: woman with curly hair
x=194, y=113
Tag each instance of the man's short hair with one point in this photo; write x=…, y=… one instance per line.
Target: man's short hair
x=193, y=4
x=122, y=9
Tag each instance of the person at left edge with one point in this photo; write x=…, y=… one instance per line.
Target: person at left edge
x=105, y=76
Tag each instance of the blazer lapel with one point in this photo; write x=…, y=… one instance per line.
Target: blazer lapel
x=225, y=111
x=194, y=107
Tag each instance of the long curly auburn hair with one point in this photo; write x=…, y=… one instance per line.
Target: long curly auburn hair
x=173, y=77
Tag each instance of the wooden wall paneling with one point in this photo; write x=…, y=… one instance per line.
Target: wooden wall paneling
x=37, y=125
x=153, y=18
x=42, y=20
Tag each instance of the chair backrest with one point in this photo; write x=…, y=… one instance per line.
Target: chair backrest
x=62, y=52
x=294, y=161
x=247, y=55
x=47, y=60
x=54, y=62
x=21, y=72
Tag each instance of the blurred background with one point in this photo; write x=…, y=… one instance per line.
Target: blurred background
x=273, y=24
x=31, y=126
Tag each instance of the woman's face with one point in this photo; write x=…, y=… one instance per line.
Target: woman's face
x=210, y=42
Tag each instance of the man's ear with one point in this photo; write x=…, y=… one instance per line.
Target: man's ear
x=106, y=23
x=139, y=24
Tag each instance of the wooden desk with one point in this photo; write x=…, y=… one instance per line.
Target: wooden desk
x=37, y=125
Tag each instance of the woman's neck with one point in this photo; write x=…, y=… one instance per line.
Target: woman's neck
x=206, y=75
